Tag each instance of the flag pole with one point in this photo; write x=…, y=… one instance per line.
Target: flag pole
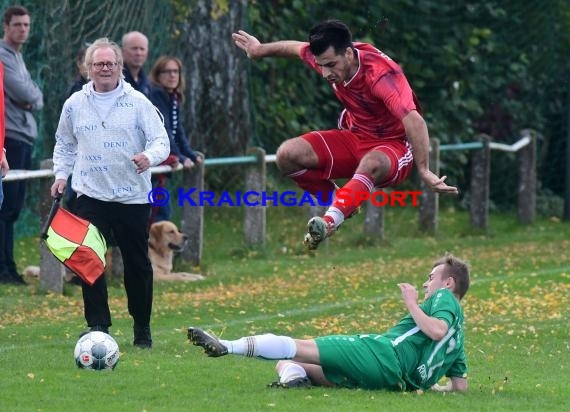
x=52, y=212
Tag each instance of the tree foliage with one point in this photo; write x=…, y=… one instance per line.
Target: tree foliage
x=492, y=67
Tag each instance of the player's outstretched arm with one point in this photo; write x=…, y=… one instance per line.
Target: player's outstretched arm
x=417, y=132
x=254, y=49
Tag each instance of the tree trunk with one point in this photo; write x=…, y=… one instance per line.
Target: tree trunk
x=217, y=113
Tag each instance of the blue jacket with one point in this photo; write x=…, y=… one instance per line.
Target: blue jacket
x=179, y=145
x=143, y=85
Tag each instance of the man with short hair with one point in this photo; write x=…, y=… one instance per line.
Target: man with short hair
x=380, y=126
x=22, y=98
x=135, y=53
x=416, y=353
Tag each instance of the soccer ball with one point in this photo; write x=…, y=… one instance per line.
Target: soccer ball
x=96, y=350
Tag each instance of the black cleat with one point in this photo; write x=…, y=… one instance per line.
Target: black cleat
x=212, y=346
x=142, y=336
x=296, y=383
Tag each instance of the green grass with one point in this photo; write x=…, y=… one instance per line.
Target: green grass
x=518, y=341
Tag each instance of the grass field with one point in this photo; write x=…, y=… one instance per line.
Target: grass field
x=517, y=318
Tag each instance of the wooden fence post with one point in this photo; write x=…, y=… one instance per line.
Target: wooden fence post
x=527, y=179
x=480, y=181
x=374, y=220
x=51, y=269
x=429, y=200
x=254, y=223
x=193, y=216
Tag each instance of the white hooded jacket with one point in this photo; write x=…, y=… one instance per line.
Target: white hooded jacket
x=98, y=151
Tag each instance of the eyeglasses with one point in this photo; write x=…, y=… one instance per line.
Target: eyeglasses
x=99, y=65
x=171, y=71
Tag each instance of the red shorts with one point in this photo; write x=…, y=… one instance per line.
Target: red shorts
x=340, y=152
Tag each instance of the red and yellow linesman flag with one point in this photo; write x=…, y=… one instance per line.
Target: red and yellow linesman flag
x=76, y=243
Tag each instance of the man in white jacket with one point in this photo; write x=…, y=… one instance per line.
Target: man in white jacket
x=108, y=136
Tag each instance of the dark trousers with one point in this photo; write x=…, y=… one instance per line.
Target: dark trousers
x=162, y=212
x=128, y=226
x=19, y=157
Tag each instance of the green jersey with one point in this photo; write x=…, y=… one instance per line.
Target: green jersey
x=424, y=361
x=403, y=358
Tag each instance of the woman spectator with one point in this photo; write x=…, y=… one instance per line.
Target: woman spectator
x=167, y=94
x=81, y=75
x=79, y=80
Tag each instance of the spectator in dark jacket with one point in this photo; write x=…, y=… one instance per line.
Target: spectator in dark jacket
x=80, y=79
x=81, y=74
x=167, y=94
x=135, y=52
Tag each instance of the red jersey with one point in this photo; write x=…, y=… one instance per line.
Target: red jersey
x=377, y=97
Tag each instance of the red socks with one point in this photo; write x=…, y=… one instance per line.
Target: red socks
x=347, y=199
x=353, y=194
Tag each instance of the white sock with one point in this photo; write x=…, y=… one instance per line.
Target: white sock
x=336, y=216
x=291, y=371
x=266, y=346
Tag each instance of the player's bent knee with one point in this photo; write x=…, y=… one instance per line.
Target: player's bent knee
x=287, y=149
x=298, y=148
x=295, y=154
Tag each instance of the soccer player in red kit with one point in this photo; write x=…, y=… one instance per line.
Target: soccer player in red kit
x=378, y=130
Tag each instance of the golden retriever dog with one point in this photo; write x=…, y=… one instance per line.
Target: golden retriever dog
x=164, y=240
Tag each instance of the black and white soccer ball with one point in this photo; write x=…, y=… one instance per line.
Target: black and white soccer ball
x=96, y=350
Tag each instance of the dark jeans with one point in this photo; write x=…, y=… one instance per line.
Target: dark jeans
x=162, y=212
x=19, y=157
x=128, y=225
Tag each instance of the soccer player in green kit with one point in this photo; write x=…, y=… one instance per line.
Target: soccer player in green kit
x=416, y=353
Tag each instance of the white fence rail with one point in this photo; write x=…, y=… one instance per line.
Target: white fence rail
x=255, y=162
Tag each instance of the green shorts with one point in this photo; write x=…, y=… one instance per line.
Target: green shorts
x=360, y=361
